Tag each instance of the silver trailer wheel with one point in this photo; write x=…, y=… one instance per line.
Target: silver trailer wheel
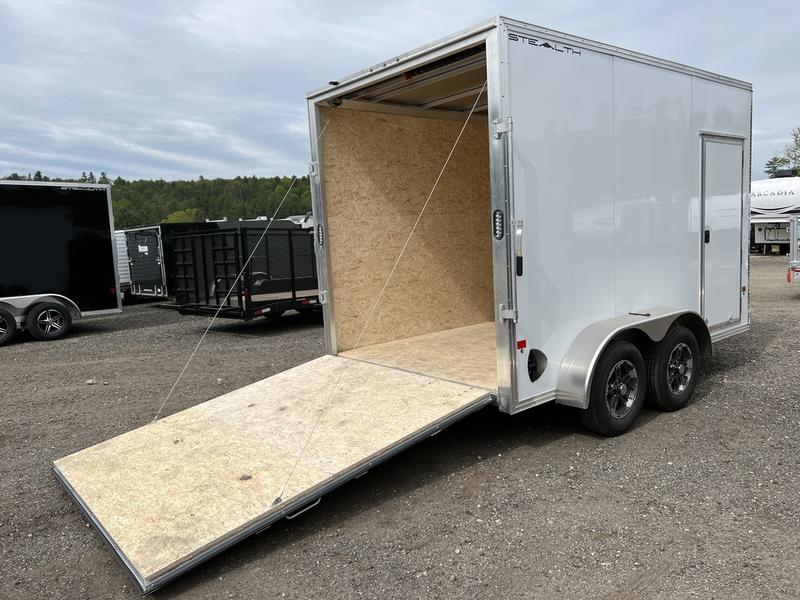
x=50, y=321
x=8, y=327
x=618, y=389
x=680, y=368
x=673, y=368
x=622, y=386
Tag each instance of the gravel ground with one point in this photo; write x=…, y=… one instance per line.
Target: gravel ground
x=699, y=503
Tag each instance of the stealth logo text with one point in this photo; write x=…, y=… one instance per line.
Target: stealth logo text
x=524, y=39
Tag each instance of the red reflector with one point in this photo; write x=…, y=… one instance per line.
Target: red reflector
x=113, y=290
x=257, y=312
x=306, y=302
x=521, y=344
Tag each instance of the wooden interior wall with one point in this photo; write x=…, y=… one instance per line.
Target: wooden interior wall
x=378, y=170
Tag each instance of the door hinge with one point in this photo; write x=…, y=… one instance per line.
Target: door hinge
x=323, y=296
x=313, y=169
x=501, y=127
x=507, y=314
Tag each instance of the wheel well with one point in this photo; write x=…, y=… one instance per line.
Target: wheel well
x=9, y=308
x=645, y=343
x=73, y=309
x=637, y=337
x=697, y=326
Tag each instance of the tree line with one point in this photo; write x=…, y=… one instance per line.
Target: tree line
x=146, y=202
x=789, y=160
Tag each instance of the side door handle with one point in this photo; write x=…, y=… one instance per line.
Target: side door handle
x=518, y=248
x=707, y=236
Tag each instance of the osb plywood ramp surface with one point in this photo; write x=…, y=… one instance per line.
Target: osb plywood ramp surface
x=466, y=354
x=169, y=490
x=378, y=170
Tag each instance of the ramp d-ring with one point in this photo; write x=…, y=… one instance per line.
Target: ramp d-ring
x=302, y=510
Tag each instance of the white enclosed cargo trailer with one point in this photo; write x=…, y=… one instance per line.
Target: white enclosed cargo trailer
x=463, y=293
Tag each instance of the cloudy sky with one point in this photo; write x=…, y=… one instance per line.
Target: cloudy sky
x=157, y=89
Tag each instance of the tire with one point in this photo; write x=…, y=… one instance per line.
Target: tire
x=673, y=368
x=8, y=327
x=618, y=390
x=48, y=321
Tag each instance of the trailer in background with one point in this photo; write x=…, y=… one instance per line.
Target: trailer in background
x=280, y=276
x=487, y=303
x=123, y=268
x=793, y=272
x=58, y=257
x=773, y=203
x=151, y=259
x=146, y=258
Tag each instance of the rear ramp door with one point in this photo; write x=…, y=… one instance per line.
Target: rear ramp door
x=173, y=493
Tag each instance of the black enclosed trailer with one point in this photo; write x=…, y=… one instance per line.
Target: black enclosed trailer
x=57, y=256
x=281, y=275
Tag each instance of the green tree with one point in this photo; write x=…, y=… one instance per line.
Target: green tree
x=792, y=151
x=187, y=215
x=146, y=202
x=774, y=164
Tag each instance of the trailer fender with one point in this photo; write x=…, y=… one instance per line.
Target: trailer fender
x=20, y=305
x=575, y=376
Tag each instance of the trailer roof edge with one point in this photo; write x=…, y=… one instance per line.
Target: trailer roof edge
x=498, y=20
x=68, y=184
x=407, y=56
x=630, y=54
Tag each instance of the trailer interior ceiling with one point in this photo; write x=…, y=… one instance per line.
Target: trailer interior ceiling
x=449, y=84
x=381, y=152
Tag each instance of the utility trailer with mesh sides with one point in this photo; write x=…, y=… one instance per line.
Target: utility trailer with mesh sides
x=281, y=275
x=58, y=258
x=463, y=293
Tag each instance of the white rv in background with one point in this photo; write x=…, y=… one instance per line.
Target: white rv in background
x=511, y=283
x=773, y=203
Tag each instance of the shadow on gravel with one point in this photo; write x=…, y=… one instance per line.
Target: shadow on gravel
x=264, y=327
x=740, y=350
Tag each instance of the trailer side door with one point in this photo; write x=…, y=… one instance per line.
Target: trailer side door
x=721, y=250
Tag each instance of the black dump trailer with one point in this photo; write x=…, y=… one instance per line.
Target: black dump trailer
x=57, y=257
x=282, y=274
x=150, y=256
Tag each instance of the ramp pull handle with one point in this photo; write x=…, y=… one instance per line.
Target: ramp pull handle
x=302, y=510
x=518, y=247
